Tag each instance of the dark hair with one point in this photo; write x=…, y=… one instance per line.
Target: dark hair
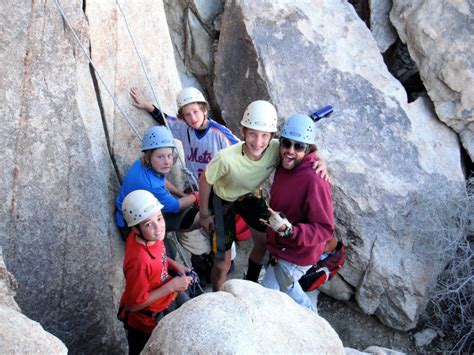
x=146, y=156
x=202, y=105
x=312, y=148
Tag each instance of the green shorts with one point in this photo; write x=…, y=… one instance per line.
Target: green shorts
x=249, y=207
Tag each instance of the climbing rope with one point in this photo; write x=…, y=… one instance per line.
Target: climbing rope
x=58, y=5
x=184, y=169
x=179, y=249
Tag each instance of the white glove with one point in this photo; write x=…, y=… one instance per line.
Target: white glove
x=277, y=220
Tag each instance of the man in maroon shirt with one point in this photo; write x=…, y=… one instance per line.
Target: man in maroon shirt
x=304, y=221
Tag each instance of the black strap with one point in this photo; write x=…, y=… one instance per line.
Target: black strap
x=149, y=313
x=219, y=223
x=157, y=116
x=124, y=320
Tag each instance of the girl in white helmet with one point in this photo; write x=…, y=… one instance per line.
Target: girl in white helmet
x=149, y=289
x=298, y=238
x=229, y=186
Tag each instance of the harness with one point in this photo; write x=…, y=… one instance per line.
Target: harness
x=321, y=272
x=124, y=319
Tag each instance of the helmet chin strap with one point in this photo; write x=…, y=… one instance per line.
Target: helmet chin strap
x=139, y=235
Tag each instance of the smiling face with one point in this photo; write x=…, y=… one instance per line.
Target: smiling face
x=291, y=153
x=255, y=142
x=161, y=160
x=153, y=229
x=195, y=115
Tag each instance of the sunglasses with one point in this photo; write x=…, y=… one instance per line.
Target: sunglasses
x=297, y=146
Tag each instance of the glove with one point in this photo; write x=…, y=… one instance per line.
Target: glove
x=196, y=195
x=275, y=222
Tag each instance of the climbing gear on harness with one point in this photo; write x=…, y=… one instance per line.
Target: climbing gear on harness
x=324, y=112
x=189, y=95
x=276, y=220
x=324, y=269
x=202, y=264
x=157, y=137
x=218, y=236
x=260, y=115
x=179, y=249
x=194, y=285
x=138, y=206
x=299, y=128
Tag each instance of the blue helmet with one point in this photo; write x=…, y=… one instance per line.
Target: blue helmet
x=157, y=137
x=300, y=128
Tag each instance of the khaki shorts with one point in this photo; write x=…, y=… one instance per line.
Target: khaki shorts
x=196, y=242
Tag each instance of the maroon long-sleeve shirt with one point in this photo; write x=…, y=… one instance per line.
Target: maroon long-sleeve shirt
x=306, y=200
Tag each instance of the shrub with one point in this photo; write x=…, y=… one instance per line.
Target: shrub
x=450, y=307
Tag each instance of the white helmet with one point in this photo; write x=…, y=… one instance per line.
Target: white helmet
x=157, y=137
x=189, y=95
x=260, y=115
x=299, y=128
x=138, y=206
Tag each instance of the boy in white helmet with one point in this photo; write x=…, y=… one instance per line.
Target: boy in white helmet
x=230, y=183
x=201, y=136
x=297, y=239
x=149, y=289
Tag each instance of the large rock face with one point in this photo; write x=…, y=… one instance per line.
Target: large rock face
x=439, y=39
x=57, y=232
x=64, y=148
x=244, y=318
x=194, y=27
x=388, y=194
x=115, y=57
x=194, y=32
x=20, y=335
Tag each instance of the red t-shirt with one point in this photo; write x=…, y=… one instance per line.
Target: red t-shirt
x=144, y=273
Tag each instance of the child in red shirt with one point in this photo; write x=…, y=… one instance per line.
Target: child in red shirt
x=149, y=289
